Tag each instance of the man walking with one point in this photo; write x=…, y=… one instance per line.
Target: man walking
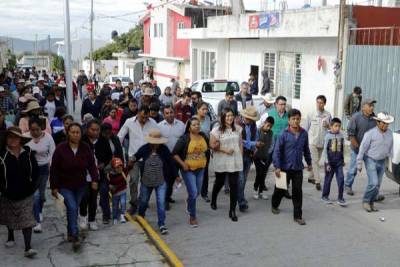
x=352, y=104
x=280, y=116
x=244, y=97
x=172, y=129
x=228, y=102
x=317, y=124
x=82, y=80
x=289, y=150
x=137, y=128
x=376, y=146
x=359, y=124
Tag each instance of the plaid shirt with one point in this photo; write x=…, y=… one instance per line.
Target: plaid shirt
x=7, y=104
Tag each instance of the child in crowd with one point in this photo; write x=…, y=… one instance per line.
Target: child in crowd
x=262, y=157
x=332, y=158
x=118, y=184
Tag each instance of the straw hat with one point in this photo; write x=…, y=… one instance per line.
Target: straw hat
x=269, y=98
x=155, y=137
x=31, y=106
x=250, y=113
x=384, y=117
x=17, y=131
x=27, y=97
x=21, y=81
x=28, y=83
x=148, y=91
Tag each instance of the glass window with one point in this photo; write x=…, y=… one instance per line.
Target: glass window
x=269, y=66
x=297, y=78
x=213, y=87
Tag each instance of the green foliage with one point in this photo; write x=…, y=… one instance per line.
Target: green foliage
x=12, y=60
x=57, y=63
x=133, y=39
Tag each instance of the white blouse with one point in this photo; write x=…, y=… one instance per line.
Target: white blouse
x=44, y=148
x=228, y=140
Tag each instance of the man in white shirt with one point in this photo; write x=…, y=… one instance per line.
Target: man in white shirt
x=172, y=129
x=316, y=124
x=264, y=108
x=137, y=128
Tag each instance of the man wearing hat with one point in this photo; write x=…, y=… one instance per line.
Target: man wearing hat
x=264, y=108
x=359, y=124
x=376, y=146
x=249, y=137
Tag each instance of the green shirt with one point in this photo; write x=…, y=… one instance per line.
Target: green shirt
x=280, y=123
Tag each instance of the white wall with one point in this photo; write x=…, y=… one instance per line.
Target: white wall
x=159, y=45
x=243, y=53
x=165, y=67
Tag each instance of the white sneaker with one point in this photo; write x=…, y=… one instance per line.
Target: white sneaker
x=122, y=219
x=30, y=253
x=37, y=228
x=263, y=196
x=115, y=221
x=83, y=224
x=9, y=244
x=256, y=195
x=93, y=226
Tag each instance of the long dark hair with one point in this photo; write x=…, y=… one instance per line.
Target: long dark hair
x=189, y=123
x=222, y=126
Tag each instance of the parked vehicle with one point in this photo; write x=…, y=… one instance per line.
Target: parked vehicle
x=111, y=79
x=213, y=91
x=393, y=164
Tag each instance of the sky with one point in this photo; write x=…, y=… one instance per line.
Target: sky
x=26, y=18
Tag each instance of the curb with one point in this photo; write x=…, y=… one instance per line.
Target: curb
x=164, y=249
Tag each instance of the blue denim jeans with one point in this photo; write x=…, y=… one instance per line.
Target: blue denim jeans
x=40, y=194
x=105, y=199
x=119, y=205
x=247, y=161
x=144, y=197
x=351, y=174
x=375, y=170
x=193, y=181
x=72, y=200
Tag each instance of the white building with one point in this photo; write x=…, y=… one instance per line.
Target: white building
x=297, y=48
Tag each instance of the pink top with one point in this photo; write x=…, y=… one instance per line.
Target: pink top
x=114, y=123
x=24, y=125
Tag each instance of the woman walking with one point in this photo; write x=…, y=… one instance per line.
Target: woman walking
x=19, y=174
x=113, y=120
x=43, y=145
x=226, y=143
x=88, y=206
x=205, y=127
x=72, y=160
x=190, y=153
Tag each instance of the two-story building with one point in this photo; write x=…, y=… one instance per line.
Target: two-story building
x=167, y=55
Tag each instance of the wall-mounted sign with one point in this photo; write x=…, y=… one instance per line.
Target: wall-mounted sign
x=264, y=21
x=253, y=22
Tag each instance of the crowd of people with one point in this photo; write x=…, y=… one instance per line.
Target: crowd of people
x=141, y=139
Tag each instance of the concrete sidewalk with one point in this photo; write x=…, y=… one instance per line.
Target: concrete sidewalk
x=112, y=245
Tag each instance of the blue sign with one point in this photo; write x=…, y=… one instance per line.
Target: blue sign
x=268, y=20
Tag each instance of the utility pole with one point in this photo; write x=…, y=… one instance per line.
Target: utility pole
x=36, y=52
x=49, y=51
x=340, y=45
x=91, y=37
x=67, y=59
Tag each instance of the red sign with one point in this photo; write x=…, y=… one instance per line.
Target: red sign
x=254, y=21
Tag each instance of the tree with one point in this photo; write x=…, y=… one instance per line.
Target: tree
x=133, y=39
x=57, y=63
x=12, y=60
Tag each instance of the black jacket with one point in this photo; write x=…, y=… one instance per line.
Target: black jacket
x=181, y=146
x=59, y=137
x=266, y=87
x=18, y=177
x=88, y=107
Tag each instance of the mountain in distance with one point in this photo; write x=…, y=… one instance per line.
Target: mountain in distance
x=20, y=45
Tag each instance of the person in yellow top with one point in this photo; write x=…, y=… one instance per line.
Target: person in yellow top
x=191, y=152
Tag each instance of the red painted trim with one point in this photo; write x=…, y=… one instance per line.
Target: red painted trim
x=165, y=75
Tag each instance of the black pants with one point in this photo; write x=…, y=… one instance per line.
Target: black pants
x=261, y=173
x=233, y=184
x=297, y=193
x=89, y=203
x=170, y=184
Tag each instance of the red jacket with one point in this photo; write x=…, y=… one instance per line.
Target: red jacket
x=117, y=182
x=183, y=113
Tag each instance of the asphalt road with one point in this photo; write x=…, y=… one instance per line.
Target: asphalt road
x=333, y=236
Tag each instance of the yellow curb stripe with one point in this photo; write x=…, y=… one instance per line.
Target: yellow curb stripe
x=158, y=242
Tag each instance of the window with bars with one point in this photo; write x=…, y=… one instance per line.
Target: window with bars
x=269, y=66
x=207, y=63
x=297, y=78
x=181, y=25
